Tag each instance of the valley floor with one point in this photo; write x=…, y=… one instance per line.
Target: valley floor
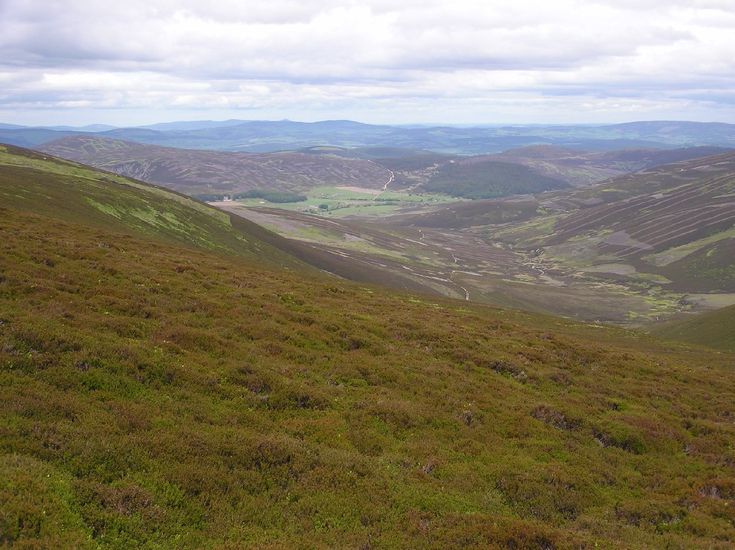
x=467, y=263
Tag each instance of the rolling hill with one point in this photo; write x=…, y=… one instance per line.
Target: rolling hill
x=31, y=181
x=674, y=223
x=478, y=178
x=158, y=392
x=533, y=169
x=714, y=329
x=217, y=173
x=31, y=137
x=582, y=168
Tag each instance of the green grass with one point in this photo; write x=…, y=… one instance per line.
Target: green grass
x=182, y=399
x=66, y=190
x=714, y=329
x=162, y=395
x=345, y=202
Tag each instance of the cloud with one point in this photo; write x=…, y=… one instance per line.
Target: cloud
x=481, y=60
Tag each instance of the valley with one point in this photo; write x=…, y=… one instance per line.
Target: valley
x=578, y=253
x=284, y=330
x=543, y=228
x=465, y=265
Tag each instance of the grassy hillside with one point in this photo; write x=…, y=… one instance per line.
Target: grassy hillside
x=66, y=190
x=161, y=395
x=212, y=172
x=715, y=329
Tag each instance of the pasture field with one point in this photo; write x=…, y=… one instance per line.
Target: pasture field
x=345, y=201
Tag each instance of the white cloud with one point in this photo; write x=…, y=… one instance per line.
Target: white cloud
x=469, y=60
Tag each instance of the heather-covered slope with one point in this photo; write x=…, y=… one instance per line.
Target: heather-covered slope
x=155, y=394
x=675, y=223
x=198, y=172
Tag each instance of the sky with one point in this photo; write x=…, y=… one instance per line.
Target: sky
x=380, y=61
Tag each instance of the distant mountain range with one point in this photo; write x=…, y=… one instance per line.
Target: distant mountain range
x=265, y=136
x=88, y=128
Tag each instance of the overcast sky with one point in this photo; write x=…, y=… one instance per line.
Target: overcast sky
x=386, y=61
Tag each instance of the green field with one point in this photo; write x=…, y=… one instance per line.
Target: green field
x=339, y=203
x=715, y=329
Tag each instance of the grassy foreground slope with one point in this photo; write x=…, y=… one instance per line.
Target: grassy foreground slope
x=49, y=186
x=715, y=329
x=156, y=395
x=161, y=395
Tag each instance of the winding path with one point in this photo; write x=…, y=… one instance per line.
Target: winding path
x=390, y=180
